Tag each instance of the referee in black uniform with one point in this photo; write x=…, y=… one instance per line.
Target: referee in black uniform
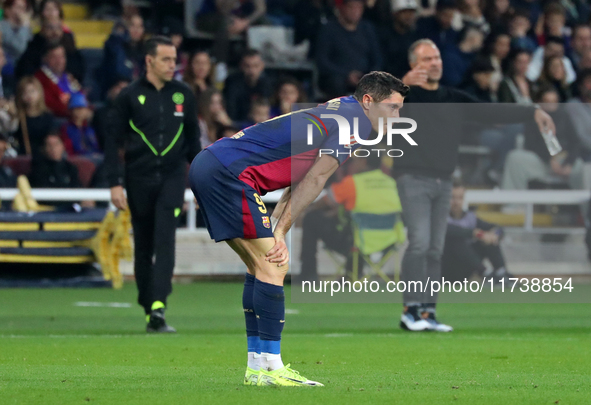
x=155, y=124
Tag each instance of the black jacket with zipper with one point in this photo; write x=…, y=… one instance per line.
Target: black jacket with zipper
x=157, y=129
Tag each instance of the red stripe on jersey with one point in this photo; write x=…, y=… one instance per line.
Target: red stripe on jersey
x=250, y=231
x=279, y=173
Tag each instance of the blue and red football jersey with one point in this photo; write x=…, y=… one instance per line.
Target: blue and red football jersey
x=278, y=152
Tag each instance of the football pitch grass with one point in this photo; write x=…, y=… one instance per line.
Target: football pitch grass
x=54, y=351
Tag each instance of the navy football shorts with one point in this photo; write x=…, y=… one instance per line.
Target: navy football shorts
x=231, y=208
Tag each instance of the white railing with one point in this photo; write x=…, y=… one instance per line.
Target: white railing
x=74, y=194
x=528, y=198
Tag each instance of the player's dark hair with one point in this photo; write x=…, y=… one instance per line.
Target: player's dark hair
x=379, y=85
x=151, y=46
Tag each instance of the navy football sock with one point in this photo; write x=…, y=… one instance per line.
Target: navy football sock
x=269, y=306
x=252, y=327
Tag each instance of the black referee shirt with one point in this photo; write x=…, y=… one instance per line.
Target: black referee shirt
x=157, y=129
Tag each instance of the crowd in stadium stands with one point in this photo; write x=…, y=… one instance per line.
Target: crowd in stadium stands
x=510, y=51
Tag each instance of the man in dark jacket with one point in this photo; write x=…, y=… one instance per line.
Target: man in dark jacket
x=423, y=173
x=243, y=87
x=346, y=49
x=154, y=122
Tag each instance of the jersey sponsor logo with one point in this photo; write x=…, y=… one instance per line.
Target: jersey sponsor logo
x=142, y=99
x=266, y=222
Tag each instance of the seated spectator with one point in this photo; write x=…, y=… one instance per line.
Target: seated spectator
x=100, y=122
x=35, y=121
x=8, y=113
x=260, y=111
x=472, y=15
x=497, y=47
x=515, y=86
x=77, y=135
x=534, y=162
x=554, y=47
x=289, y=92
x=376, y=11
x=58, y=84
x=225, y=18
x=16, y=30
x=52, y=170
x=123, y=54
x=519, y=28
x=6, y=79
x=243, y=87
x=199, y=73
x=7, y=177
x=347, y=48
x=438, y=28
x=554, y=20
x=468, y=242
x=457, y=59
x=480, y=83
x=580, y=43
x=398, y=35
x=579, y=111
x=309, y=17
x=498, y=14
x=532, y=8
x=51, y=34
x=50, y=9
x=554, y=74
x=212, y=116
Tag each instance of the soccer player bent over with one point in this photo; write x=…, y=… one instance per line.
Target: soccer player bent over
x=229, y=177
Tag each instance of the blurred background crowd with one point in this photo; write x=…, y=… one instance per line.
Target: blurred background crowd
x=63, y=62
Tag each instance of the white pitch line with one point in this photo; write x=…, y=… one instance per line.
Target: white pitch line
x=103, y=304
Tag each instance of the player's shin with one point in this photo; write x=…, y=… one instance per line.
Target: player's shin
x=269, y=305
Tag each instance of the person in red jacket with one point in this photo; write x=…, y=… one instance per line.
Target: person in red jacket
x=58, y=84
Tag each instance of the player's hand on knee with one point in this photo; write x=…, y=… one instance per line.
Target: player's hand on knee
x=279, y=253
x=118, y=197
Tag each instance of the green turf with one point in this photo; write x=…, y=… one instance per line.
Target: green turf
x=52, y=352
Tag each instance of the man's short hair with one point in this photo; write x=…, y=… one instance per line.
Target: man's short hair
x=554, y=9
x=250, y=53
x=552, y=39
x=52, y=47
x=379, y=85
x=151, y=47
x=413, y=47
x=445, y=5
